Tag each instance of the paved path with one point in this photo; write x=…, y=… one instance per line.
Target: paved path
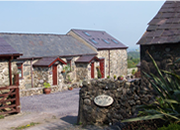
x=60, y=103
x=61, y=107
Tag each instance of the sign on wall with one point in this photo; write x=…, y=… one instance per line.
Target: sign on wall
x=103, y=100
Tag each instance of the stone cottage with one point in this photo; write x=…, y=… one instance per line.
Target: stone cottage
x=46, y=55
x=112, y=53
x=162, y=38
x=43, y=57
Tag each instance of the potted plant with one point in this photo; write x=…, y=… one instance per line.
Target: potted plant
x=108, y=77
x=63, y=71
x=120, y=77
x=133, y=72
x=114, y=76
x=69, y=79
x=99, y=75
x=47, y=88
x=70, y=87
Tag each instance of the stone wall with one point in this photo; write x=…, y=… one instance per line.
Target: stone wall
x=4, y=72
x=126, y=97
x=60, y=76
x=25, y=82
x=39, y=90
x=41, y=75
x=82, y=71
x=118, y=61
x=164, y=56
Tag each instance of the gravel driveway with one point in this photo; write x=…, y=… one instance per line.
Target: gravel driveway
x=60, y=103
x=55, y=111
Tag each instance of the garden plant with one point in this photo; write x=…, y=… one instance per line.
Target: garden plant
x=99, y=75
x=167, y=103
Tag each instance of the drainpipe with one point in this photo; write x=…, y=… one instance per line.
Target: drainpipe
x=31, y=74
x=109, y=61
x=10, y=74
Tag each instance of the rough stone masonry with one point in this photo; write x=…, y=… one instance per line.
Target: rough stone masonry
x=126, y=96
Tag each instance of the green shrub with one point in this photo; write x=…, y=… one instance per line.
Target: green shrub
x=25, y=126
x=69, y=79
x=133, y=62
x=108, y=76
x=80, y=123
x=171, y=126
x=133, y=71
x=46, y=85
x=67, y=68
x=98, y=72
x=114, y=76
x=167, y=104
x=1, y=117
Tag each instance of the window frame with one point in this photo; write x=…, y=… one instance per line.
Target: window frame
x=20, y=66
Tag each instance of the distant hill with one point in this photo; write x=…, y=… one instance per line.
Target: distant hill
x=133, y=58
x=133, y=55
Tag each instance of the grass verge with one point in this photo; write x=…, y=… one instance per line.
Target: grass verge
x=25, y=126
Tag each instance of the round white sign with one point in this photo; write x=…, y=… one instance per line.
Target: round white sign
x=103, y=100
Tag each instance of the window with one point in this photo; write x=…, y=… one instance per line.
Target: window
x=87, y=34
x=20, y=70
x=114, y=41
x=94, y=41
x=105, y=41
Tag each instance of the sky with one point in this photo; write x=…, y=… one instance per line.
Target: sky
x=125, y=20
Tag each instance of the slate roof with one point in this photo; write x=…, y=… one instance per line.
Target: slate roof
x=86, y=59
x=47, y=62
x=6, y=49
x=45, y=45
x=165, y=26
x=99, y=39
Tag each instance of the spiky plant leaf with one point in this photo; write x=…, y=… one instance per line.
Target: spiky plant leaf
x=172, y=101
x=157, y=116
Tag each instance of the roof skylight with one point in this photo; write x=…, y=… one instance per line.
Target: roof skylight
x=114, y=41
x=87, y=34
x=106, y=41
x=94, y=41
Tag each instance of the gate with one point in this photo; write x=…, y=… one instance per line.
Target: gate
x=9, y=98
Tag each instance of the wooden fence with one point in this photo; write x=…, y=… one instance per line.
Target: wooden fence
x=9, y=98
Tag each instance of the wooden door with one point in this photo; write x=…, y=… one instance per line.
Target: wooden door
x=92, y=70
x=102, y=67
x=54, y=74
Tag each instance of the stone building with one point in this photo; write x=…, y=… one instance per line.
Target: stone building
x=161, y=39
x=112, y=53
x=44, y=56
